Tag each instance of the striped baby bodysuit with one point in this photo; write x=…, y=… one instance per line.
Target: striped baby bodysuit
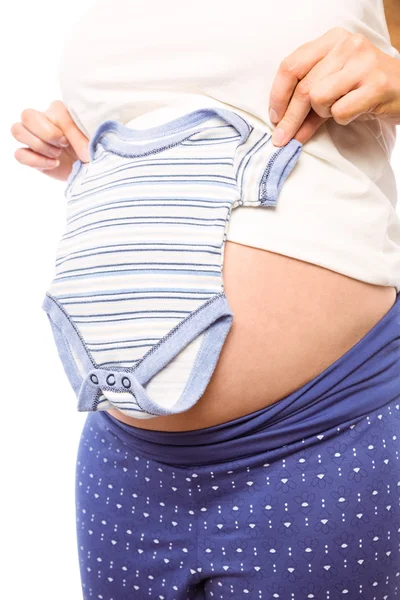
x=137, y=303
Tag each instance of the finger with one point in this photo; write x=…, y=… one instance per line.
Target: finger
x=28, y=157
x=21, y=134
x=332, y=65
x=36, y=122
x=336, y=85
x=312, y=123
x=328, y=91
x=354, y=104
x=58, y=114
x=296, y=66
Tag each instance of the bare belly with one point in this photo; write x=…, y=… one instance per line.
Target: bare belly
x=292, y=319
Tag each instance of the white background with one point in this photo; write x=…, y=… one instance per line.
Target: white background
x=40, y=424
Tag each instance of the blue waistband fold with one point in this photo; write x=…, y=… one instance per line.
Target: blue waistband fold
x=365, y=378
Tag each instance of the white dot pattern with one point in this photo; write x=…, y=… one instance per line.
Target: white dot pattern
x=319, y=520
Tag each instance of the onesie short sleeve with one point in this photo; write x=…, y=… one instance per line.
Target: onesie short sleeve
x=262, y=168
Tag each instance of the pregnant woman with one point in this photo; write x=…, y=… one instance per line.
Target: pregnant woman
x=283, y=480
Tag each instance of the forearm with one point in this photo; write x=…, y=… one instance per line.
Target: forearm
x=392, y=13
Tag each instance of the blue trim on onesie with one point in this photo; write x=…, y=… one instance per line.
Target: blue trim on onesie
x=178, y=129
x=175, y=131
x=76, y=167
x=214, y=317
x=65, y=336
x=283, y=161
x=64, y=351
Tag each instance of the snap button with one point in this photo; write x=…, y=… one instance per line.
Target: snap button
x=126, y=382
x=110, y=379
x=94, y=379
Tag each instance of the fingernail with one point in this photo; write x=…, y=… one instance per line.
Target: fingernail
x=63, y=142
x=273, y=115
x=278, y=136
x=55, y=151
x=52, y=163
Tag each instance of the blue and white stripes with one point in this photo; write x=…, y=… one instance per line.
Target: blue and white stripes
x=142, y=255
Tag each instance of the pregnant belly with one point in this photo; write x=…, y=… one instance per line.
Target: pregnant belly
x=292, y=319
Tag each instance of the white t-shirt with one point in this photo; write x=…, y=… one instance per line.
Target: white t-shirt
x=146, y=62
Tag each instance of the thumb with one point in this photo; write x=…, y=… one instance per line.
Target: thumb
x=58, y=114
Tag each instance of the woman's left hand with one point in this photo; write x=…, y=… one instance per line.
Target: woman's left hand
x=340, y=75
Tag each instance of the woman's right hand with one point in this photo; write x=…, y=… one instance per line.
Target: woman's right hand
x=53, y=141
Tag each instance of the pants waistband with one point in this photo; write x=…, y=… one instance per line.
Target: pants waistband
x=362, y=380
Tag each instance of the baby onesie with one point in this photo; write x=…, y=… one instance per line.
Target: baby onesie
x=137, y=303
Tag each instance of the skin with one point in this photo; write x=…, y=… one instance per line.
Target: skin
x=339, y=75
x=312, y=315
x=392, y=13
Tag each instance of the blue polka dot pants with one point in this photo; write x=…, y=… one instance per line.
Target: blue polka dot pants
x=317, y=518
